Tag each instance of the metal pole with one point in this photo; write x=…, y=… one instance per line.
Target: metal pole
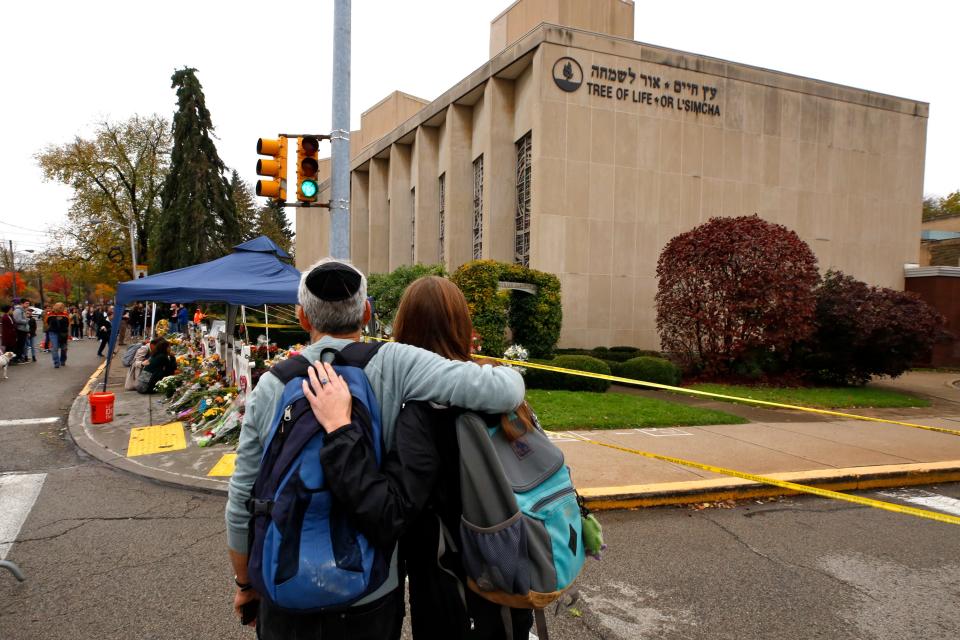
x=133, y=249
x=13, y=266
x=266, y=324
x=340, y=136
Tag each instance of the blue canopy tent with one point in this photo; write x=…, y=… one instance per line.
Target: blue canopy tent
x=252, y=275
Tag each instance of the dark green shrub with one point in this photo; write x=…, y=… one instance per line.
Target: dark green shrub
x=387, y=288
x=616, y=368
x=624, y=349
x=540, y=379
x=651, y=370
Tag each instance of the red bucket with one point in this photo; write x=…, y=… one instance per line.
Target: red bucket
x=101, y=407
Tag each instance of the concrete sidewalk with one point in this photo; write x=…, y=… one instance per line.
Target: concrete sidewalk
x=840, y=455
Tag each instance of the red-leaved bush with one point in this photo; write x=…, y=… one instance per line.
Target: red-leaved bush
x=734, y=295
x=865, y=331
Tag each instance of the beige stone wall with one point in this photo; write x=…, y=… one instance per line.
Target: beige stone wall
x=619, y=170
x=384, y=116
x=616, y=179
x=942, y=224
x=609, y=17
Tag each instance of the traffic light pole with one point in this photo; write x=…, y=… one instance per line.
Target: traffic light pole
x=340, y=136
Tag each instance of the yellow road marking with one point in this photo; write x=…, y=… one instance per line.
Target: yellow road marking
x=93, y=378
x=156, y=439
x=224, y=467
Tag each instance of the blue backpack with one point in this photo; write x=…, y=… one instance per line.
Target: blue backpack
x=304, y=554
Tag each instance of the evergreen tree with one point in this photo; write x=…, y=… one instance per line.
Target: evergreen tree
x=272, y=222
x=198, y=218
x=246, y=207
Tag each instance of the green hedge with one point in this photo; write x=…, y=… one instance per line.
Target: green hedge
x=386, y=289
x=613, y=354
x=651, y=370
x=534, y=319
x=540, y=379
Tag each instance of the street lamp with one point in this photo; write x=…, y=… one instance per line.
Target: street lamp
x=13, y=266
x=133, y=242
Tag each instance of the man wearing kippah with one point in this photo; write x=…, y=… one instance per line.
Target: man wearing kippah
x=333, y=309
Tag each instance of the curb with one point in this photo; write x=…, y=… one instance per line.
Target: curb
x=848, y=479
x=80, y=433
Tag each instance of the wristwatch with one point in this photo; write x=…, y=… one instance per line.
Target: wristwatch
x=243, y=586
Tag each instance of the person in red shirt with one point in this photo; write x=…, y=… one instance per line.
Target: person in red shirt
x=58, y=332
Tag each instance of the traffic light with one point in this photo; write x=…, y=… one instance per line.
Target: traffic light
x=308, y=165
x=275, y=168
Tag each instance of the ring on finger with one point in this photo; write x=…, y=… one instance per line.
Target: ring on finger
x=323, y=381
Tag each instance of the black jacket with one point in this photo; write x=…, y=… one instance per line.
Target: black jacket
x=418, y=481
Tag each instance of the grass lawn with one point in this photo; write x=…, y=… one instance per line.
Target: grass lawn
x=560, y=410
x=820, y=397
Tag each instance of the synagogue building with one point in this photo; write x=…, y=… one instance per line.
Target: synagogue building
x=578, y=151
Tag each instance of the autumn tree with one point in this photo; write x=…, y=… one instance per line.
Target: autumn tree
x=734, y=295
x=934, y=207
x=116, y=176
x=198, y=220
x=272, y=222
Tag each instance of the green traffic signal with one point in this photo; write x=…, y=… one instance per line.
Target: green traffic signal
x=308, y=188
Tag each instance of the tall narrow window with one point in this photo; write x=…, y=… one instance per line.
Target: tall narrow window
x=443, y=204
x=521, y=245
x=478, y=208
x=413, y=225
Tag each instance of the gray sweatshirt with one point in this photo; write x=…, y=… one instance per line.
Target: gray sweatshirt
x=21, y=319
x=398, y=373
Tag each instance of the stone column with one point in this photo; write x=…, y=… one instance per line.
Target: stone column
x=378, y=257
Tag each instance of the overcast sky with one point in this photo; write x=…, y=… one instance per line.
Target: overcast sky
x=266, y=67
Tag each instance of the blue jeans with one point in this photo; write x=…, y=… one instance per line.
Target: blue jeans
x=58, y=350
x=29, y=348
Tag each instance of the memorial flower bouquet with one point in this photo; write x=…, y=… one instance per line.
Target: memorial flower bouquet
x=518, y=353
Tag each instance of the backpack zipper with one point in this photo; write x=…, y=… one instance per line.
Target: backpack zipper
x=542, y=502
x=286, y=418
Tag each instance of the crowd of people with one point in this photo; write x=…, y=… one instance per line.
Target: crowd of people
x=27, y=329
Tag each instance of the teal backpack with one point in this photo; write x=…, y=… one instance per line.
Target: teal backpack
x=522, y=533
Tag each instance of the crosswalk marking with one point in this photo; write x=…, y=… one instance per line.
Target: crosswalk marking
x=926, y=499
x=18, y=493
x=22, y=421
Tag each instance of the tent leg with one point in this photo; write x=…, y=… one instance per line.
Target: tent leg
x=153, y=319
x=266, y=323
x=229, y=340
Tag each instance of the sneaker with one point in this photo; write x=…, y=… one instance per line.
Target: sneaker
x=56, y=366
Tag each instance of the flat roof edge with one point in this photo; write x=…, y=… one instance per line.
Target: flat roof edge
x=931, y=272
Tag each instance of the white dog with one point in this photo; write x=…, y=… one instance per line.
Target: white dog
x=5, y=360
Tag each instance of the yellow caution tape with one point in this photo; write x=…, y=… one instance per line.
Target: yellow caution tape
x=800, y=488
x=260, y=325
x=823, y=493
x=697, y=392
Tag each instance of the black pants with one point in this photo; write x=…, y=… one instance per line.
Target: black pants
x=22, y=337
x=379, y=620
x=104, y=341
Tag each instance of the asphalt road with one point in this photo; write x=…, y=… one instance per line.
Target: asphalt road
x=111, y=556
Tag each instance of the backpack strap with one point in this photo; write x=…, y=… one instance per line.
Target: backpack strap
x=287, y=370
x=355, y=354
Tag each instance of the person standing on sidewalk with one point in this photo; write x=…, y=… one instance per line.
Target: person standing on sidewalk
x=21, y=317
x=58, y=330
x=30, y=349
x=8, y=331
x=76, y=323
